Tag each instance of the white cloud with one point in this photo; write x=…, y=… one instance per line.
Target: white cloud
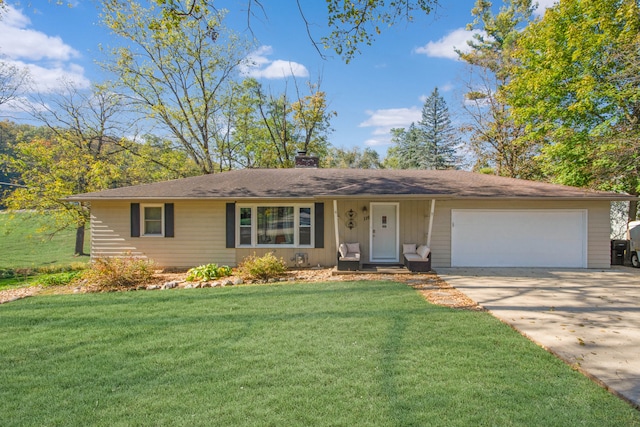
x=20, y=42
x=392, y=117
x=50, y=79
x=382, y=121
x=543, y=5
x=258, y=65
x=445, y=47
x=447, y=87
x=47, y=59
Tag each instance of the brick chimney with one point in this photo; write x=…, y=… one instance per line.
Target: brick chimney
x=304, y=161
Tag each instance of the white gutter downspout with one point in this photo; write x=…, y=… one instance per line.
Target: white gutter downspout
x=433, y=209
x=335, y=223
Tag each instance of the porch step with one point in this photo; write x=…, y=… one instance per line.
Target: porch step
x=375, y=269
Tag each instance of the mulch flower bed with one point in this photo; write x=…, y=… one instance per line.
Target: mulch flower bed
x=432, y=287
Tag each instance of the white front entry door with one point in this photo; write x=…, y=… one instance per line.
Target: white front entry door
x=384, y=232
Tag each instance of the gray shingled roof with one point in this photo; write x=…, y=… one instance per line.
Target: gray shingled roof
x=345, y=183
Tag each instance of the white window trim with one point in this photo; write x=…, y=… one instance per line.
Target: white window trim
x=296, y=222
x=142, y=219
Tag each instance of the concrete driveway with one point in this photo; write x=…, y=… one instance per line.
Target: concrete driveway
x=589, y=318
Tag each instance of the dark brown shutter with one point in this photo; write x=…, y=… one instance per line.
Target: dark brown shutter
x=231, y=225
x=135, y=219
x=168, y=220
x=319, y=225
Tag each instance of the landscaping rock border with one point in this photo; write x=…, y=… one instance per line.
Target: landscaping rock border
x=432, y=287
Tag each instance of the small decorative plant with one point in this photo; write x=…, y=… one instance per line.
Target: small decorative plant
x=263, y=268
x=208, y=272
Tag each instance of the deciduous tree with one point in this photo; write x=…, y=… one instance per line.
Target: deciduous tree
x=268, y=129
x=12, y=80
x=177, y=72
x=497, y=141
x=81, y=151
x=353, y=158
x=575, y=86
x=351, y=23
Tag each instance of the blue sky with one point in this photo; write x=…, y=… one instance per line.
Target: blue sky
x=381, y=88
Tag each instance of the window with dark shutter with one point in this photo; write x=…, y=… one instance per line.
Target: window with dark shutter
x=231, y=225
x=168, y=220
x=319, y=225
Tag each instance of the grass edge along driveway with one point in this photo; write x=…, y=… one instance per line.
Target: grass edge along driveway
x=337, y=353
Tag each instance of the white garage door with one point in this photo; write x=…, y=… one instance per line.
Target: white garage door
x=519, y=238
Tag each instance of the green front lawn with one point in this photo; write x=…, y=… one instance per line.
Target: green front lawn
x=30, y=256
x=24, y=244
x=339, y=353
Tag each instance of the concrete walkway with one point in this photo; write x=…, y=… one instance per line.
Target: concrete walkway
x=589, y=318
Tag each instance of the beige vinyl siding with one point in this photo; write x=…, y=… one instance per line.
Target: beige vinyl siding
x=414, y=222
x=200, y=231
x=599, y=235
x=199, y=234
x=598, y=226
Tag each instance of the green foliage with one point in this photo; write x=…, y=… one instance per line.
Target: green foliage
x=440, y=136
x=76, y=156
x=220, y=120
x=354, y=23
x=265, y=267
x=408, y=149
x=51, y=275
x=432, y=143
x=58, y=279
x=575, y=87
x=76, y=152
x=269, y=129
x=353, y=158
x=495, y=138
x=189, y=99
x=118, y=273
x=208, y=272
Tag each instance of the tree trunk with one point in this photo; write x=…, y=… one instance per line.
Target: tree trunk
x=79, y=251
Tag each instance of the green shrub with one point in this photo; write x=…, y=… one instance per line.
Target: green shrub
x=8, y=273
x=264, y=267
x=117, y=273
x=208, y=272
x=58, y=279
x=51, y=269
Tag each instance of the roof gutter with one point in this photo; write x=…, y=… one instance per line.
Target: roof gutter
x=441, y=197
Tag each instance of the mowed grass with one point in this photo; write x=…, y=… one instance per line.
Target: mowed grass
x=329, y=354
x=23, y=246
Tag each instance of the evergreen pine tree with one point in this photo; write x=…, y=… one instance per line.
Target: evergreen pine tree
x=440, y=139
x=409, y=147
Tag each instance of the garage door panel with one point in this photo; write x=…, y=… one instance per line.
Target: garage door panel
x=511, y=238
